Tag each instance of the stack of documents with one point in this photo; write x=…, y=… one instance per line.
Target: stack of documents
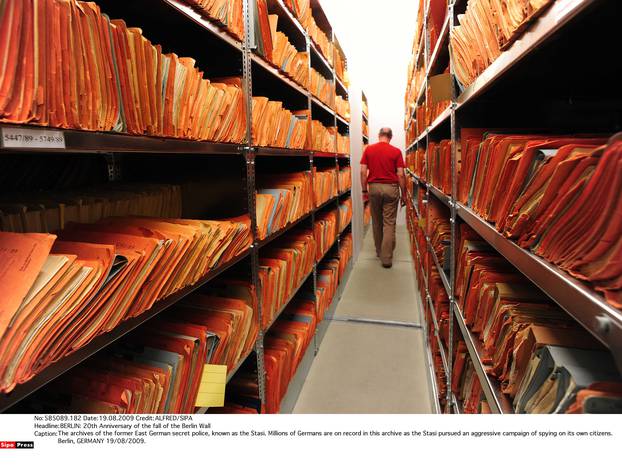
x=516, y=324
x=96, y=276
x=322, y=88
x=282, y=199
x=439, y=231
x=323, y=139
x=325, y=231
x=415, y=161
x=284, y=348
x=158, y=368
x=555, y=374
x=439, y=156
x=440, y=300
x=294, y=63
x=300, y=8
x=342, y=107
x=227, y=13
x=436, y=18
x=341, y=69
x=110, y=78
x=263, y=29
x=345, y=213
x=554, y=195
x=465, y=383
x=416, y=66
x=345, y=179
x=325, y=185
x=437, y=362
x=275, y=126
x=283, y=266
x=485, y=29
x=327, y=282
x=343, y=144
x=50, y=212
x=345, y=253
x=320, y=39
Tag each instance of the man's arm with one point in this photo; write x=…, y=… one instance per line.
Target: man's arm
x=402, y=179
x=364, y=182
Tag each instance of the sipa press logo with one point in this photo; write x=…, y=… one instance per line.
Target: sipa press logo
x=17, y=445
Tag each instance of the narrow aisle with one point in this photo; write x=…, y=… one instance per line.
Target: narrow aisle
x=364, y=367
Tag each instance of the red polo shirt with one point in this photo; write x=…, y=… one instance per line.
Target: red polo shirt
x=382, y=160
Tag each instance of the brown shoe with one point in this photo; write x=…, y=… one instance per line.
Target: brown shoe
x=384, y=265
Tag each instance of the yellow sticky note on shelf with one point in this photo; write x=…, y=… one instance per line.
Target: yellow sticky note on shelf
x=212, y=388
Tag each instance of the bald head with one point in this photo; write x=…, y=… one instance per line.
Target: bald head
x=385, y=134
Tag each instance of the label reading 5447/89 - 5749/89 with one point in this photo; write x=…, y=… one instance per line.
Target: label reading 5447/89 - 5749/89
x=18, y=138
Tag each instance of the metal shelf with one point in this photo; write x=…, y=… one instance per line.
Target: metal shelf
x=440, y=270
x=281, y=152
x=273, y=236
x=440, y=195
x=57, y=369
x=497, y=400
x=328, y=250
x=278, y=4
x=343, y=120
x=442, y=117
x=237, y=366
x=319, y=103
x=556, y=16
x=323, y=154
x=420, y=95
x=204, y=22
x=442, y=38
x=366, y=137
x=430, y=365
x=345, y=192
x=437, y=335
x=278, y=74
x=365, y=117
x=316, y=50
x=327, y=202
x=287, y=301
x=583, y=304
x=457, y=405
x=340, y=83
x=101, y=142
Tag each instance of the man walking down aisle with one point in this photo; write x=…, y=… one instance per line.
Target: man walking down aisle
x=382, y=170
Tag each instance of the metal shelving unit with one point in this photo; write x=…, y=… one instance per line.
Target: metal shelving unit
x=206, y=23
x=227, y=56
x=100, y=342
x=287, y=301
x=586, y=306
x=480, y=105
x=319, y=103
x=556, y=17
x=76, y=141
x=498, y=402
x=278, y=74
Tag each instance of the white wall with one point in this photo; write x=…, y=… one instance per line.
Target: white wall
x=376, y=36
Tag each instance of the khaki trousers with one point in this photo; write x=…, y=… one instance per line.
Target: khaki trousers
x=384, y=200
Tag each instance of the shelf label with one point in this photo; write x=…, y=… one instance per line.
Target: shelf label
x=18, y=138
